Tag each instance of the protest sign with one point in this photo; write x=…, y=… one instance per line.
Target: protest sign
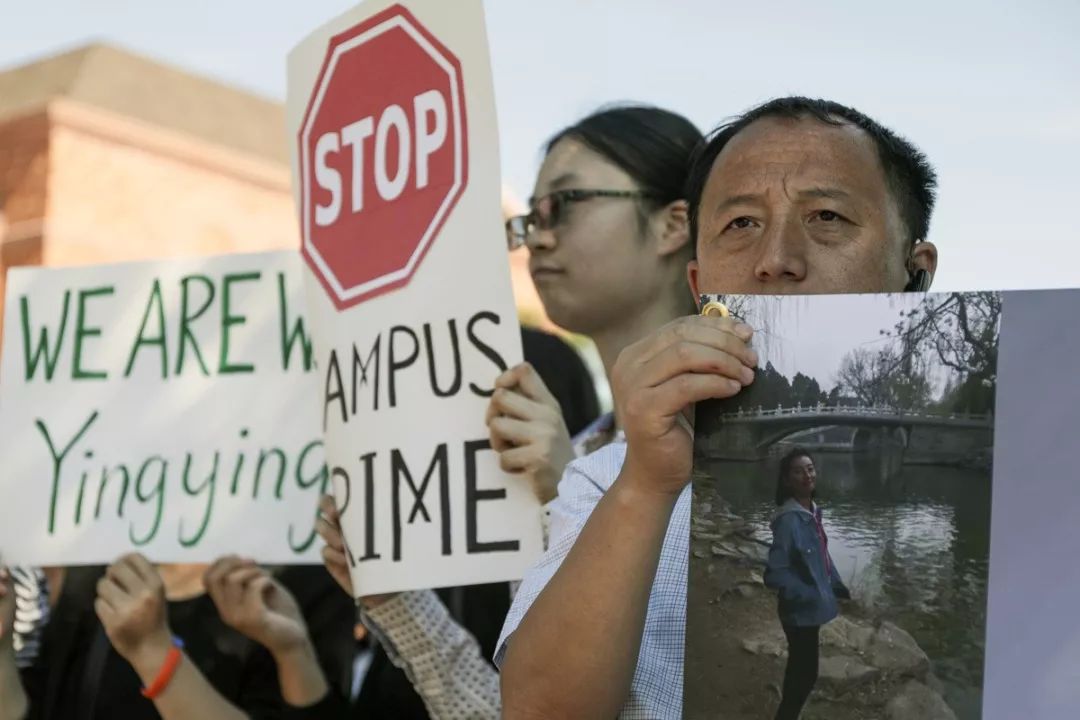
x=168, y=407
x=396, y=179
x=879, y=409
x=893, y=416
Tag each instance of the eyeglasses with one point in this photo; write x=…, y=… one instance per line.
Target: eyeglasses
x=550, y=210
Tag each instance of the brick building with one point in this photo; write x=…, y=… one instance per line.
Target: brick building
x=106, y=156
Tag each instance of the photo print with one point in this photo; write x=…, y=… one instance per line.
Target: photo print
x=841, y=512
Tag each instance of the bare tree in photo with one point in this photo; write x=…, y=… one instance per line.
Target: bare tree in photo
x=862, y=376
x=960, y=331
x=885, y=378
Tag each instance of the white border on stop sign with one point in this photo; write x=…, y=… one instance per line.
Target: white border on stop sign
x=305, y=206
x=470, y=245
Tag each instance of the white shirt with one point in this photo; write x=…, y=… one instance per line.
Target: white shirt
x=656, y=689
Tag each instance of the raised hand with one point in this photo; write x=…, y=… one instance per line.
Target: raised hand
x=252, y=602
x=657, y=380
x=328, y=526
x=528, y=431
x=132, y=608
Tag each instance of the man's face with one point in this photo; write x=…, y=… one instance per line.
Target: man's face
x=801, y=207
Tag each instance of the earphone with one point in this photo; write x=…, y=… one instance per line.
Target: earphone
x=918, y=280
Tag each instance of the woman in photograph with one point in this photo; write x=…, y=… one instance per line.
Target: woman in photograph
x=804, y=575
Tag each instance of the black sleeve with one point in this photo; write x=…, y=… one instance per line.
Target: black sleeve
x=565, y=374
x=242, y=671
x=331, y=707
x=330, y=615
x=260, y=695
x=33, y=682
x=53, y=682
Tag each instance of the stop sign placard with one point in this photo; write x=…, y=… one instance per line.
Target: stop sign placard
x=383, y=156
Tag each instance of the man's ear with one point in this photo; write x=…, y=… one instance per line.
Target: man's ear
x=924, y=256
x=674, y=228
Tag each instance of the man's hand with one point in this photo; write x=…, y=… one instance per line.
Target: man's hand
x=528, y=431
x=657, y=380
x=333, y=553
x=131, y=606
x=250, y=601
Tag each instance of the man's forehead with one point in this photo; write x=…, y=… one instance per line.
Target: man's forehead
x=803, y=151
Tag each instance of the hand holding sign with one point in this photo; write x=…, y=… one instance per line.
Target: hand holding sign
x=657, y=378
x=131, y=606
x=528, y=430
x=333, y=553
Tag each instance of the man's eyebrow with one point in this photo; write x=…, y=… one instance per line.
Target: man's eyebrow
x=735, y=200
x=825, y=192
x=558, y=183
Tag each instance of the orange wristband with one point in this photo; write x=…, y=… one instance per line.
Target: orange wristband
x=168, y=669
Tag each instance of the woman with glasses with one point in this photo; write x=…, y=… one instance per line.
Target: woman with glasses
x=608, y=241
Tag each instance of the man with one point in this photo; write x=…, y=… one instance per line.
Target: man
x=796, y=196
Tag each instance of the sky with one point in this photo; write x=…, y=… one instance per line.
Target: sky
x=812, y=335
x=806, y=335
x=990, y=91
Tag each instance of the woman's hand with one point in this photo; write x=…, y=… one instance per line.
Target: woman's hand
x=328, y=526
x=527, y=430
x=253, y=603
x=132, y=608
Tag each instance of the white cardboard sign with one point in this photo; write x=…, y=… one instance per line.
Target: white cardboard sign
x=166, y=407
x=396, y=178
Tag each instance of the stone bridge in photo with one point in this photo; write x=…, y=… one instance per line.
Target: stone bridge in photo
x=918, y=437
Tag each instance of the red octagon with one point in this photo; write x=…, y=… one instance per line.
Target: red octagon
x=383, y=156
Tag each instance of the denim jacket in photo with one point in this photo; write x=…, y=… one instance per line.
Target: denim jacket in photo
x=807, y=584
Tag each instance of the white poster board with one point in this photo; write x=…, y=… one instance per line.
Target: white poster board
x=164, y=407
x=396, y=177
